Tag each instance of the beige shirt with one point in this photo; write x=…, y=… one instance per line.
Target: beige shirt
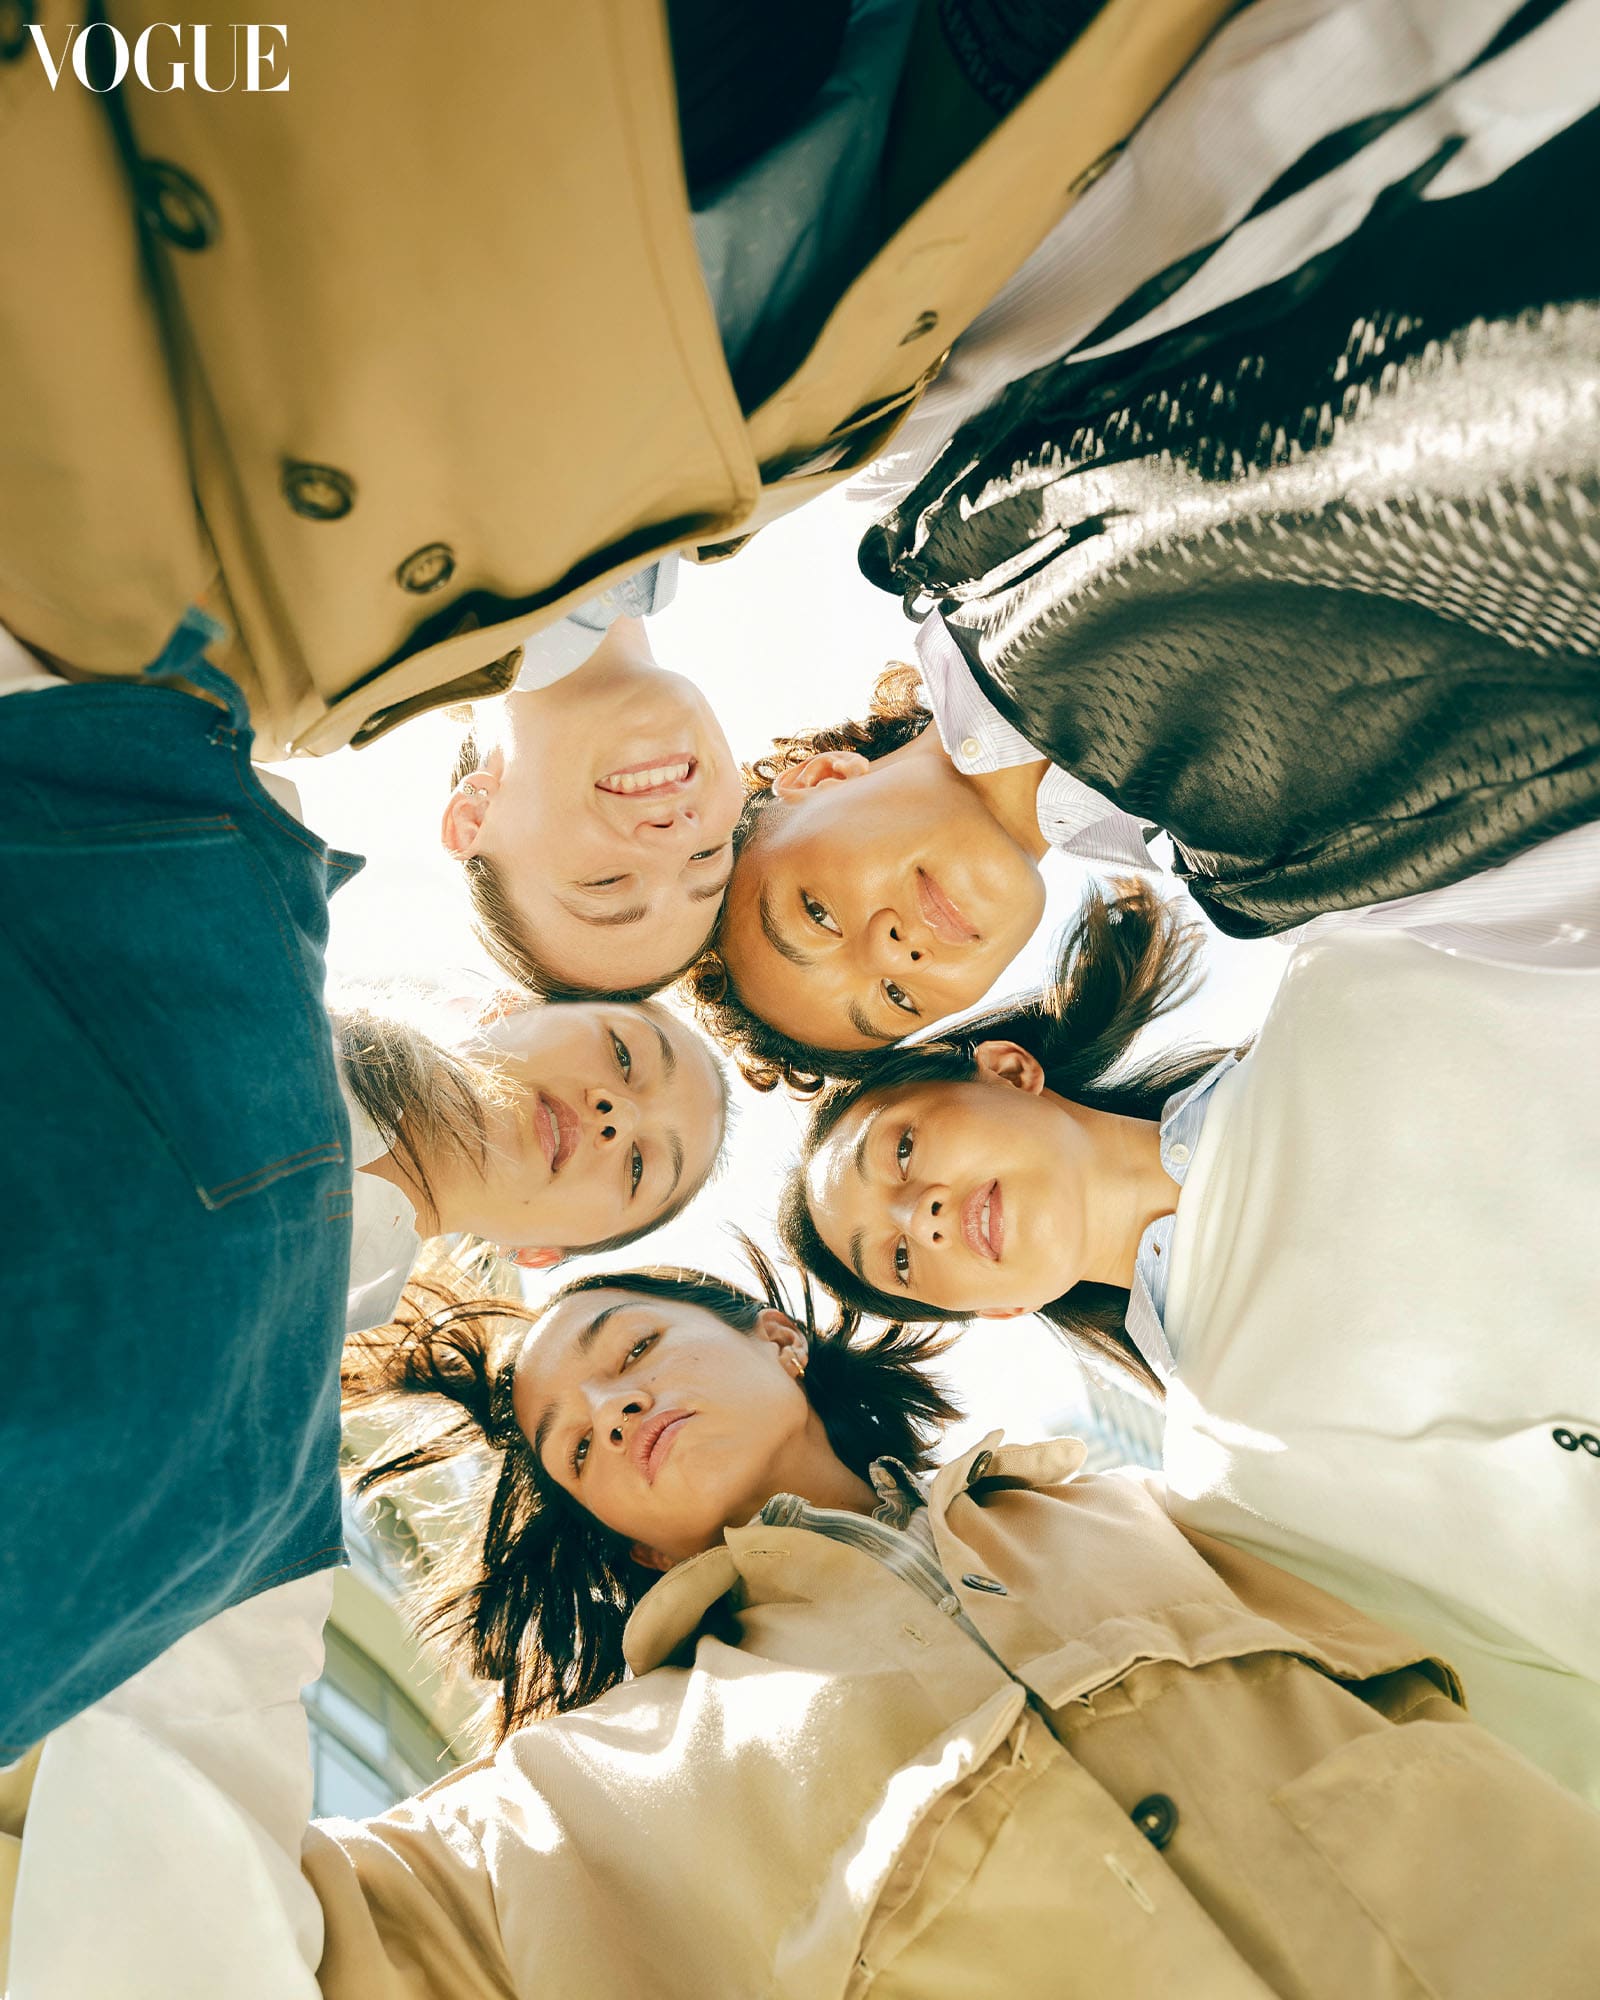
x=856, y=1795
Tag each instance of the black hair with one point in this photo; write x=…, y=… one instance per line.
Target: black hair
x=1123, y=962
x=537, y=1600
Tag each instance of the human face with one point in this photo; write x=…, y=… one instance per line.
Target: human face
x=874, y=899
x=972, y=1197
x=606, y=809
x=661, y=1420
x=611, y=1112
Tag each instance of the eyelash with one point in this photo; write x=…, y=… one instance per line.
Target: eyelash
x=708, y=853
x=643, y=1345
x=619, y=1049
x=603, y=882
x=898, y=997
x=635, y=1171
x=823, y=922
x=901, y=1256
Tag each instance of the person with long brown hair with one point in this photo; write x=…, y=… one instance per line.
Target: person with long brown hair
x=1354, y=1259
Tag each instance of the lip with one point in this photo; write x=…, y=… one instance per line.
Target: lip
x=682, y=764
x=556, y=1123
x=653, y=1441
x=988, y=1244
x=945, y=919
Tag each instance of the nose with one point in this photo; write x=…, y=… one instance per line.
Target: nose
x=894, y=943
x=924, y=1212
x=618, y=1416
x=667, y=821
x=613, y=1117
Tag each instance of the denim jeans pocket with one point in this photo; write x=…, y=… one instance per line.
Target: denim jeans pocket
x=170, y=949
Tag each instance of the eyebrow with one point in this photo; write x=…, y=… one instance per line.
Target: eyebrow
x=857, y=1016
x=775, y=937
x=586, y=1339
x=712, y=889
x=855, y=1257
x=635, y=915
x=669, y=1055
x=675, y=1147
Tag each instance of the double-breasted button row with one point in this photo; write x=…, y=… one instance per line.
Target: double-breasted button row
x=1577, y=1440
x=1156, y=1818
x=324, y=493
x=976, y=1580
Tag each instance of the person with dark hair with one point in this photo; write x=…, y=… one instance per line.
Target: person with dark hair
x=557, y=1127
x=866, y=1726
x=886, y=873
x=1354, y=1258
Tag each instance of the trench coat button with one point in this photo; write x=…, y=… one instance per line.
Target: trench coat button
x=428, y=569
x=978, y=1467
x=318, y=492
x=1590, y=1443
x=924, y=322
x=178, y=209
x=1155, y=1817
x=1568, y=1440
x=16, y=17
x=975, y=1580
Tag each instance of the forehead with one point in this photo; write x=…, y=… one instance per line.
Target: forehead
x=649, y=952
x=558, y=1345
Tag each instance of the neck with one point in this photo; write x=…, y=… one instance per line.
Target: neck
x=1010, y=797
x=388, y=1167
x=1128, y=1189
x=811, y=1470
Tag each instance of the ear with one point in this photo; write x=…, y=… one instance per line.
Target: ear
x=650, y=1558
x=464, y=814
x=1005, y=1062
x=1006, y=1312
x=788, y=1337
x=828, y=767
x=535, y=1260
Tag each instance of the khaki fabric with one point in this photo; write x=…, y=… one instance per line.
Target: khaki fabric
x=453, y=265
x=858, y=1797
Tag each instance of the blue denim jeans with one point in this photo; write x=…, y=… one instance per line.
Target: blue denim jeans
x=174, y=1187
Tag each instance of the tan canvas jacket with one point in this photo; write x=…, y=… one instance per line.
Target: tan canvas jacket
x=1169, y=1769
x=416, y=355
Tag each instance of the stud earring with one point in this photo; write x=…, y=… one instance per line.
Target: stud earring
x=471, y=791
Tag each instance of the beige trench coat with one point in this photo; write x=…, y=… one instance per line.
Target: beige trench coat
x=416, y=355
x=858, y=1797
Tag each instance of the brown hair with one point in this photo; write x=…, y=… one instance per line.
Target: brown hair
x=536, y=1600
x=502, y=933
x=1123, y=962
x=895, y=717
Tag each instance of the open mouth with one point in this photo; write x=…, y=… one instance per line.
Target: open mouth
x=653, y=1441
x=943, y=918
x=557, y=1126
x=983, y=1222
x=663, y=779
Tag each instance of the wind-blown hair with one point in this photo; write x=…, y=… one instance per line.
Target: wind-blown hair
x=504, y=935
x=1123, y=962
x=895, y=717
x=536, y=1598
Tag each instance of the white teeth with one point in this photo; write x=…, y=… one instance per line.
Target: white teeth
x=983, y=1223
x=643, y=781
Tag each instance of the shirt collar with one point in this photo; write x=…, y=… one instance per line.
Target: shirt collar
x=1182, y=1117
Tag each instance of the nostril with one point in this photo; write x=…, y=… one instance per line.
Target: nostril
x=937, y=1206
x=608, y=1131
x=915, y=956
x=603, y=1106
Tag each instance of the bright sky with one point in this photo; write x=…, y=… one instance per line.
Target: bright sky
x=786, y=635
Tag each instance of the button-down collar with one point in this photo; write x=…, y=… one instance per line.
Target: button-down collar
x=1182, y=1117
x=1073, y=816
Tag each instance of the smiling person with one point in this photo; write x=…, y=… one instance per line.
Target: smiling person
x=1356, y=1258
x=887, y=873
x=591, y=811
x=562, y=1127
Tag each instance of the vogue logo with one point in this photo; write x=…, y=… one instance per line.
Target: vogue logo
x=104, y=63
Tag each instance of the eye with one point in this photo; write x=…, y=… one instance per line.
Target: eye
x=902, y=1262
x=708, y=853
x=635, y=1171
x=902, y=1152
x=619, y=1049
x=601, y=882
x=580, y=1451
x=898, y=997
x=642, y=1345
x=818, y=914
